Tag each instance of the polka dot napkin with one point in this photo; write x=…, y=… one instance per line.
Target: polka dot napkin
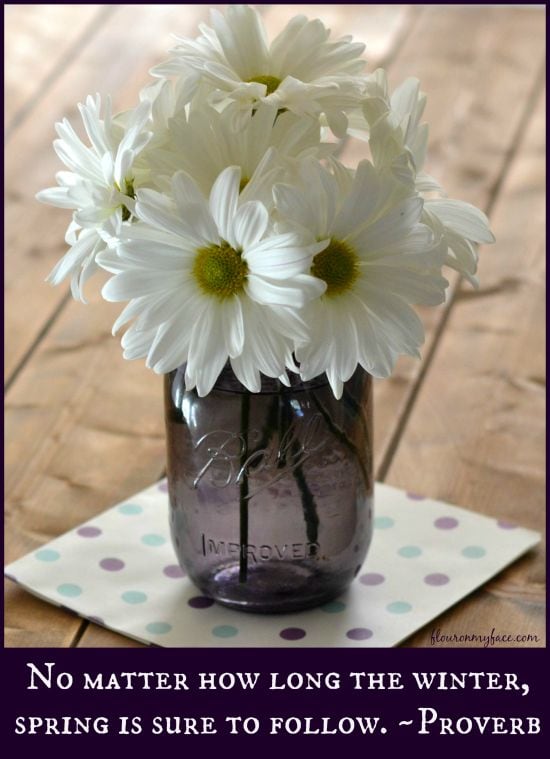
x=119, y=571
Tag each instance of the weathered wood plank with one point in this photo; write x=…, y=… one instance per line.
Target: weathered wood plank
x=378, y=26
x=472, y=62
x=476, y=435
x=83, y=428
x=38, y=40
x=100, y=637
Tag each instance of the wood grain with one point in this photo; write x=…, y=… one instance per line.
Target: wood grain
x=49, y=34
x=470, y=61
x=35, y=232
x=84, y=427
x=481, y=442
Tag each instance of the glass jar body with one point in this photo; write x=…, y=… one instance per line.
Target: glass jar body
x=271, y=493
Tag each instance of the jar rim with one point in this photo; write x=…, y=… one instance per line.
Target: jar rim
x=228, y=383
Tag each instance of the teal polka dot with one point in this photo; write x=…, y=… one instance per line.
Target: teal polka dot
x=134, y=597
x=398, y=607
x=383, y=523
x=47, y=554
x=153, y=540
x=130, y=509
x=158, y=628
x=69, y=589
x=333, y=607
x=225, y=631
x=410, y=552
x=473, y=552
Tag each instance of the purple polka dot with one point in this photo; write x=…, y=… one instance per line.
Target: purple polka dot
x=292, y=633
x=446, y=523
x=437, y=578
x=504, y=525
x=416, y=496
x=200, y=602
x=111, y=565
x=163, y=486
x=372, y=578
x=359, y=633
x=173, y=570
x=88, y=532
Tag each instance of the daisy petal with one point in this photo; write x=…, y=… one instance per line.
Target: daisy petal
x=224, y=197
x=296, y=292
x=462, y=218
x=249, y=224
x=233, y=326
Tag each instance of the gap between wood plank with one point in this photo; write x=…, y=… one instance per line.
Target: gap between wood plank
x=427, y=361
x=414, y=13
x=21, y=114
x=79, y=634
x=48, y=324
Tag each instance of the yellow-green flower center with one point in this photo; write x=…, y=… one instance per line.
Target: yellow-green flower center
x=338, y=266
x=130, y=192
x=244, y=181
x=271, y=82
x=220, y=270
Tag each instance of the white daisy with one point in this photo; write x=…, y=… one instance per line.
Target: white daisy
x=203, y=144
x=461, y=226
x=379, y=259
x=397, y=137
x=301, y=70
x=208, y=281
x=168, y=99
x=99, y=187
x=398, y=141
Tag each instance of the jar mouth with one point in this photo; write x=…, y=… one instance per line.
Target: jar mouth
x=227, y=382
x=270, y=385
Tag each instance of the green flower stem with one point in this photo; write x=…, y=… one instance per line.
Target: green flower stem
x=269, y=427
x=343, y=438
x=277, y=423
x=309, y=505
x=243, y=490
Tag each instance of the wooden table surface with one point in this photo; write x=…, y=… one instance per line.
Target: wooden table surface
x=85, y=428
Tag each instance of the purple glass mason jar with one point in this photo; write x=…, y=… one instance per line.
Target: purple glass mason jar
x=271, y=493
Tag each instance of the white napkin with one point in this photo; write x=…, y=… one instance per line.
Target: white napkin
x=119, y=570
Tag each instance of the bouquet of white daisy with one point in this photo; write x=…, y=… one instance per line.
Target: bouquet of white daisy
x=235, y=235
x=232, y=231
